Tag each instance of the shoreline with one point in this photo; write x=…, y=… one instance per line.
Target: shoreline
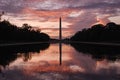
x=98, y=43
x=20, y=44
x=65, y=42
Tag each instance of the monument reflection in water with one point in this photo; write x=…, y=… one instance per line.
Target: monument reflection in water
x=42, y=62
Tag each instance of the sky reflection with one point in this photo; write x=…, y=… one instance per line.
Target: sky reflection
x=75, y=66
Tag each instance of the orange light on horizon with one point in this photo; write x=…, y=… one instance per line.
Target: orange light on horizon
x=100, y=21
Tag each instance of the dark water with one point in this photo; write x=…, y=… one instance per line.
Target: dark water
x=42, y=62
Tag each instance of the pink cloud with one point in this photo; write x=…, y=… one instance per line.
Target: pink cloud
x=78, y=13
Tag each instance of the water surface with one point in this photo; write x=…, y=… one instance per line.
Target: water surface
x=42, y=62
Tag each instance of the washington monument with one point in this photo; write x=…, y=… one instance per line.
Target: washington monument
x=60, y=40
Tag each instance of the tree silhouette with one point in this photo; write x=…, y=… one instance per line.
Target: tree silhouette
x=2, y=13
x=12, y=33
x=98, y=52
x=9, y=54
x=99, y=33
x=26, y=26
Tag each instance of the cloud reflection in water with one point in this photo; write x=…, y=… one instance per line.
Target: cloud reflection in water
x=75, y=66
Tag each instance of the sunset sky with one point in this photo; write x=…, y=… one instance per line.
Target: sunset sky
x=45, y=14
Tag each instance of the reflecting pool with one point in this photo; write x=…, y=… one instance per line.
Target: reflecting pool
x=42, y=62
